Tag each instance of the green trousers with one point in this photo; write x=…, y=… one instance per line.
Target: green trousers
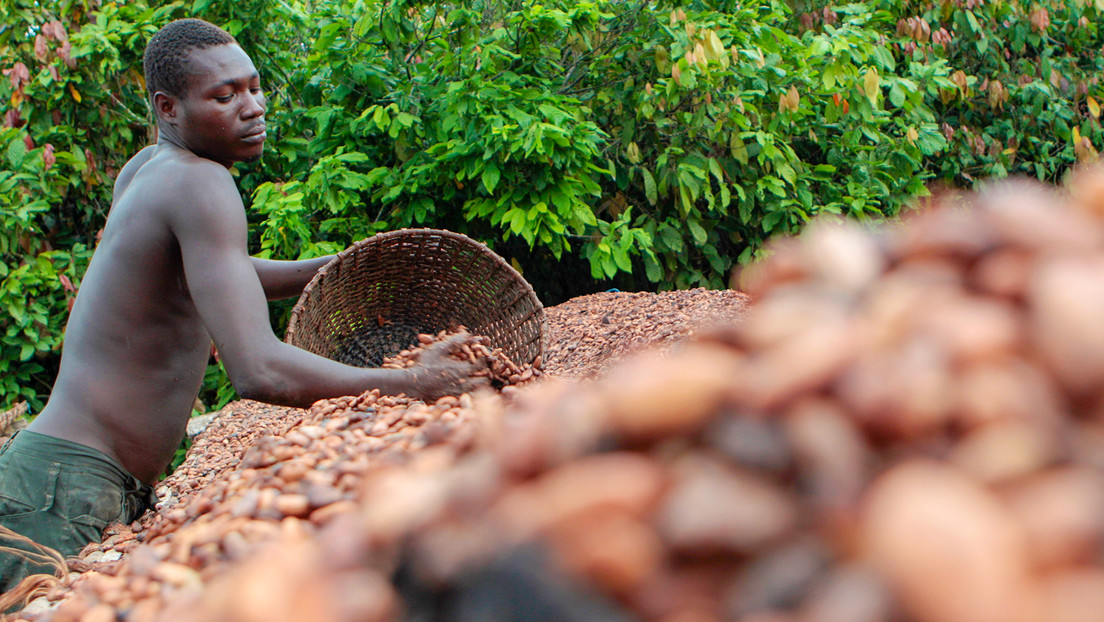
x=61, y=494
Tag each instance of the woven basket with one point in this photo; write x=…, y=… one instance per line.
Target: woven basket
x=373, y=298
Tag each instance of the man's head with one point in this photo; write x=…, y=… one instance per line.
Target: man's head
x=168, y=55
x=205, y=92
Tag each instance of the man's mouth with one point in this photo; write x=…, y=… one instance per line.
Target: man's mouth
x=256, y=135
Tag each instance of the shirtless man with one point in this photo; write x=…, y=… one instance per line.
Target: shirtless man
x=171, y=274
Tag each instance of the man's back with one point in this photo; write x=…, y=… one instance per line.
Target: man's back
x=135, y=347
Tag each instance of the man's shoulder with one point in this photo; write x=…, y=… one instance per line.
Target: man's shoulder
x=186, y=166
x=180, y=176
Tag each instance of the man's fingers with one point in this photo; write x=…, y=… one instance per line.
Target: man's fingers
x=447, y=345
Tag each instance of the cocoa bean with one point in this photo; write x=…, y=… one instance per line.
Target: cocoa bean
x=946, y=546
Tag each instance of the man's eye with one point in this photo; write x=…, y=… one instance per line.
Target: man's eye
x=224, y=98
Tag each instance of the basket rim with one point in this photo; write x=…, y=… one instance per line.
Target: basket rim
x=527, y=289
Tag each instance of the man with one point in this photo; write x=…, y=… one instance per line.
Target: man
x=171, y=274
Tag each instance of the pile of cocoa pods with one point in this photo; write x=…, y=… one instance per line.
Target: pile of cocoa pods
x=907, y=424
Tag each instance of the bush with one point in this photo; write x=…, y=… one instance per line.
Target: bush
x=651, y=144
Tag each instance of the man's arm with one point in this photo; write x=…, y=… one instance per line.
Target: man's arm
x=286, y=279
x=211, y=230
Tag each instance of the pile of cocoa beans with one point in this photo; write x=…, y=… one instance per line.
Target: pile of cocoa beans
x=291, y=483
x=500, y=370
x=12, y=420
x=585, y=336
x=908, y=424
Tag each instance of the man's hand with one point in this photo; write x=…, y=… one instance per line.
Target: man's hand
x=439, y=372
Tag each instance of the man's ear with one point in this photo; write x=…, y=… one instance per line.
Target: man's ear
x=164, y=106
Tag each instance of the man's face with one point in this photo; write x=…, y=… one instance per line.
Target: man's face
x=221, y=116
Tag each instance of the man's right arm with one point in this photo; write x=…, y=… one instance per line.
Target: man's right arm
x=211, y=230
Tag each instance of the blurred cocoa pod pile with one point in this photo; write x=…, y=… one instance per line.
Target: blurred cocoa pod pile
x=906, y=425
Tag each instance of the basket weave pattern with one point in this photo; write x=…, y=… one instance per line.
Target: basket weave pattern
x=374, y=297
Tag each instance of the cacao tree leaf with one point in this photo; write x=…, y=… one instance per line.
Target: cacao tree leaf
x=649, y=187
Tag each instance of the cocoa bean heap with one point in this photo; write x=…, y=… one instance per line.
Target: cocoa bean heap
x=906, y=424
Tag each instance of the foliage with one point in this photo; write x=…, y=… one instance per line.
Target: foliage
x=636, y=134
x=1026, y=91
x=655, y=143
x=71, y=106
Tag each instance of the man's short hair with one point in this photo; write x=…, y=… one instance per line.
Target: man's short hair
x=167, y=55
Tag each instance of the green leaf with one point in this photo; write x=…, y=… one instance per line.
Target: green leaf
x=622, y=260
x=652, y=268
x=738, y=148
x=972, y=20
x=896, y=95
x=16, y=152
x=697, y=232
x=820, y=47
x=649, y=187
x=490, y=177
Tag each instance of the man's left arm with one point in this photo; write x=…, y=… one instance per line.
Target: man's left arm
x=286, y=279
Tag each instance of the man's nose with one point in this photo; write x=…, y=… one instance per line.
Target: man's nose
x=254, y=106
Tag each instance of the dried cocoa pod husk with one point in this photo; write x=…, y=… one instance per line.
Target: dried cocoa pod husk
x=711, y=508
x=947, y=547
x=1062, y=513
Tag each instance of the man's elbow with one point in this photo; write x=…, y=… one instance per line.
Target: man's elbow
x=260, y=384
